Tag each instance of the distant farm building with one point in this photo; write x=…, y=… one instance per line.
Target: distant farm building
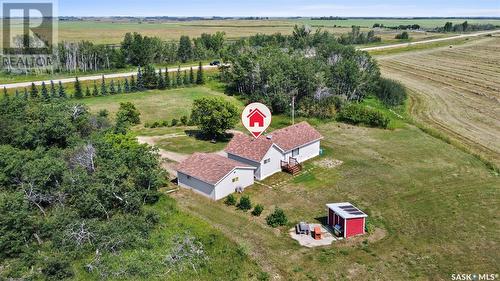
x=346, y=220
x=213, y=175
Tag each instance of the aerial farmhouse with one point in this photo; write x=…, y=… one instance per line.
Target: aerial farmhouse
x=281, y=149
x=216, y=176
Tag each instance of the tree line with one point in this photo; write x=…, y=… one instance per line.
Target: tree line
x=401, y=26
x=134, y=50
x=465, y=27
x=138, y=50
x=145, y=79
x=303, y=37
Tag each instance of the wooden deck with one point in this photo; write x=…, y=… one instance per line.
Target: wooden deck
x=292, y=166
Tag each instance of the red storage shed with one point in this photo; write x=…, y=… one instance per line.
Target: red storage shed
x=345, y=219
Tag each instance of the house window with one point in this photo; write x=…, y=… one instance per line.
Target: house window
x=295, y=152
x=236, y=179
x=267, y=160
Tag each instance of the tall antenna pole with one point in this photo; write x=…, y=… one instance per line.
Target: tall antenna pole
x=293, y=110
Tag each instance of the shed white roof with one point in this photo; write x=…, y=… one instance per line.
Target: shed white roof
x=346, y=210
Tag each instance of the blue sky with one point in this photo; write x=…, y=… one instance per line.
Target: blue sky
x=364, y=8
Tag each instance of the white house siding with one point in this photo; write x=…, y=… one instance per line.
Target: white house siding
x=227, y=186
x=306, y=152
x=248, y=162
x=273, y=166
x=196, y=185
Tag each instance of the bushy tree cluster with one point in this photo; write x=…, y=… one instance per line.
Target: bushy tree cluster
x=391, y=92
x=273, y=75
x=69, y=187
x=402, y=36
x=141, y=50
x=358, y=114
x=358, y=37
x=214, y=116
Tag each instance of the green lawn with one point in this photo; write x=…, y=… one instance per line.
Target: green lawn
x=435, y=206
x=155, y=105
x=190, y=144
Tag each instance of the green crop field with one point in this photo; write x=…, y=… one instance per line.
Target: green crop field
x=416, y=189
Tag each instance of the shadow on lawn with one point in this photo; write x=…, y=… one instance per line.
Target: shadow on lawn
x=197, y=134
x=323, y=220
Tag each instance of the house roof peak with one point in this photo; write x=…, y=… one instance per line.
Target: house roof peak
x=285, y=139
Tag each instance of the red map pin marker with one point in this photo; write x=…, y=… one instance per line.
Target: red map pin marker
x=256, y=118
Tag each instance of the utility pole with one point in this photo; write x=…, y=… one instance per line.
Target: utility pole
x=293, y=110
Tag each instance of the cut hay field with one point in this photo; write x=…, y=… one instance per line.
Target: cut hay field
x=455, y=91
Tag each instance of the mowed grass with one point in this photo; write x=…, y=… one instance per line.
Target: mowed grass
x=148, y=263
x=190, y=144
x=454, y=90
x=435, y=208
x=156, y=105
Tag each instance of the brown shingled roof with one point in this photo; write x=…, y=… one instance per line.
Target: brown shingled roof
x=286, y=139
x=295, y=136
x=208, y=167
x=249, y=147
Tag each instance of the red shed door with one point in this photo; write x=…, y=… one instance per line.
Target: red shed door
x=331, y=221
x=354, y=227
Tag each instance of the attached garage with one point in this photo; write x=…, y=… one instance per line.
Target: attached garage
x=213, y=175
x=345, y=219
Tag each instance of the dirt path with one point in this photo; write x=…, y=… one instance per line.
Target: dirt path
x=402, y=45
x=171, y=158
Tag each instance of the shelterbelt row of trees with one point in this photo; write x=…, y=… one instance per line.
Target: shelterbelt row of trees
x=146, y=79
x=135, y=50
x=465, y=27
x=138, y=50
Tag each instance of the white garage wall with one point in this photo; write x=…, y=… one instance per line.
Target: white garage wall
x=196, y=185
x=227, y=186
